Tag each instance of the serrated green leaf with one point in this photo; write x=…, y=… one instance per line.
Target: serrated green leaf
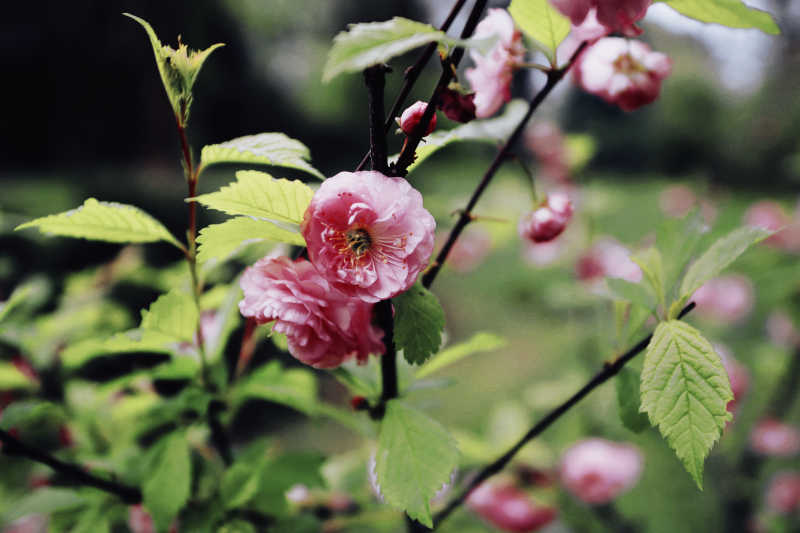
x=731, y=13
x=44, y=500
x=637, y=293
x=11, y=378
x=494, y=131
x=167, y=483
x=721, y=254
x=650, y=262
x=274, y=149
x=628, y=401
x=173, y=314
x=178, y=69
x=220, y=241
x=685, y=391
x=104, y=221
x=415, y=457
x=372, y=43
x=541, y=22
x=257, y=194
x=480, y=342
x=418, y=324
x=295, y=387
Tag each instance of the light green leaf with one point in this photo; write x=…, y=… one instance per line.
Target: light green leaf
x=371, y=43
x=418, y=324
x=257, y=194
x=229, y=317
x=731, y=13
x=134, y=340
x=480, y=342
x=44, y=500
x=415, y=458
x=12, y=378
x=493, y=131
x=685, y=391
x=219, y=241
x=178, y=69
x=173, y=314
x=652, y=266
x=279, y=474
x=677, y=239
x=104, y=221
x=240, y=483
x=17, y=297
x=167, y=483
x=274, y=149
x=541, y=22
x=721, y=254
x=638, y=293
x=295, y=387
x=628, y=401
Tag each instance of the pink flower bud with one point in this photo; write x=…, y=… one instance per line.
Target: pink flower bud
x=368, y=235
x=508, y=508
x=597, y=470
x=411, y=117
x=773, y=437
x=456, y=106
x=610, y=15
x=725, y=299
x=548, y=221
x=783, y=493
x=622, y=72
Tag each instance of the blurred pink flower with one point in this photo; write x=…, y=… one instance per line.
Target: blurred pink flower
x=491, y=77
x=773, y=437
x=738, y=374
x=781, y=330
x=546, y=142
x=469, y=251
x=508, y=508
x=548, y=221
x=140, y=521
x=411, y=116
x=368, y=234
x=456, y=106
x=783, y=492
x=607, y=258
x=543, y=253
x=32, y=523
x=677, y=200
x=725, y=299
x=622, y=72
x=771, y=215
x=597, y=470
x=612, y=15
x=324, y=327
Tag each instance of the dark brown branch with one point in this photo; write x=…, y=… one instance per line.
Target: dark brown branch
x=78, y=474
x=411, y=75
x=553, y=77
x=608, y=371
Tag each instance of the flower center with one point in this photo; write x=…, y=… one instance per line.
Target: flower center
x=358, y=241
x=627, y=65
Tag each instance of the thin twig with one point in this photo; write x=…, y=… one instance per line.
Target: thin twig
x=76, y=473
x=608, y=371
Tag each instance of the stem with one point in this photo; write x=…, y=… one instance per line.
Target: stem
x=608, y=371
x=411, y=75
x=553, y=77
x=449, y=66
x=383, y=312
x=79, y=474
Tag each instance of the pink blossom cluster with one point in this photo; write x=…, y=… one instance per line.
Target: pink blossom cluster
x=595, y=18
x=492, y=74
x=597, y=470
x=725, y=299
x=773, y=437
x=548, y=221
x=771, y=215
x=368, y=238
x=508, y=508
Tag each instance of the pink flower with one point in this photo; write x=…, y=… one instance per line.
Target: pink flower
x=611, y=15
x=783, y=493
x=548, y=221
x=411, y=117
x=456, y=106
x=773, y=437
x=597, y=470
x=738, y=375
x=368, y=234
x=622, y=72
x=725, y=299
x=32, y=523
x=781, y=330
x=770, y=215
x=607, y=258
x=677, y=200
x=491, y=77
x=324, y=327
x=508, y=508
x=547, y=143
x=469, y=250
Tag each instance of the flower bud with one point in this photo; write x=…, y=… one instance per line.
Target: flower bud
x=411, y=117
x=548, y=221
x=508, y=508
x=457, y=106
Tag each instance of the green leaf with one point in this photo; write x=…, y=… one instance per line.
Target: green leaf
x=677, y=239
x=295, y=387
x=280, y=473
x=45, y=500
x=637, y=293
x=419, y=321
x=168, y=480
x=541, y=22
x=104, y=221
x=19, y=295
x=219, y=241
x=685, y=391
x=12, y=379
x=493, y=131
x=178, y=69
x=257, y=194
x=371, y=43
x=480, y=342
x=650, y=262
x=731, y=13
x=628, y=401
x=240, y=483
x=415, y=458
x=132, y=341
x=274, y=149
x=721, y=254
x=173, y=314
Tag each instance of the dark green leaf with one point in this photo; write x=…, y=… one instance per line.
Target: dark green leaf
x=419, y=321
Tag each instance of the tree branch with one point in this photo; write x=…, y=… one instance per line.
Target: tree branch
x=608, y=371
x=79, y=474
x=553, y=77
